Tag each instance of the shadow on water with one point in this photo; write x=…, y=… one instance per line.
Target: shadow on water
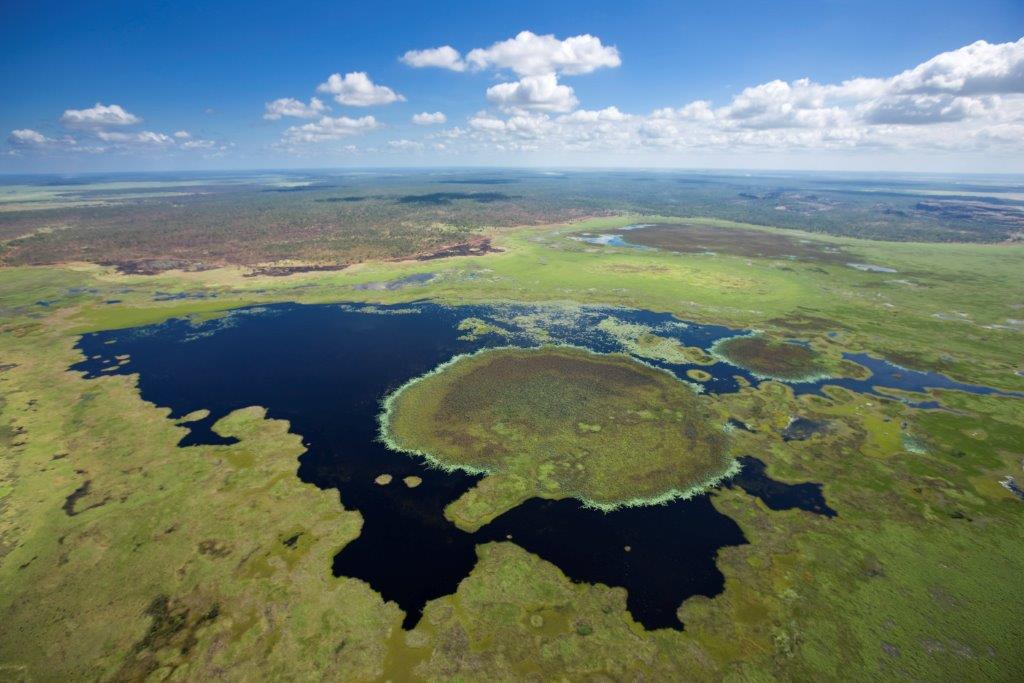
x=325, y=369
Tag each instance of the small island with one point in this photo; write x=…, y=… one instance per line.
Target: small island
x=773, y=359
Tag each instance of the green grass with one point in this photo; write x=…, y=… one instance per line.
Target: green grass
x=174, y=563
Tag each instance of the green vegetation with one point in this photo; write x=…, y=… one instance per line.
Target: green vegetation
x=772, y=359
x=123, y=556
x=273, y=221
x=557, y=422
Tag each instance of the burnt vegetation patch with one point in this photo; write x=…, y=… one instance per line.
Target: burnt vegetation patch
x=477, y=247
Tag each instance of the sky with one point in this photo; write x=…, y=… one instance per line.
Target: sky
x=824, y=85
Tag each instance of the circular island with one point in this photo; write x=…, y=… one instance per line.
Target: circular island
x=558, y=422
x=773, y=359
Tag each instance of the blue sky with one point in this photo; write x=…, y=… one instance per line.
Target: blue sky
x=713, y=84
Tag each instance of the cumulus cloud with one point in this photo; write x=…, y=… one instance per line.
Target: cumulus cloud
x=287, y=106
x=531, y=55
x=356, y=89
x=444, y=57
x=329, y=128
x=966, y=100
x=100, y=115
x=980, y=68
x=427, y=118
x=182, y=134
x=536, y=93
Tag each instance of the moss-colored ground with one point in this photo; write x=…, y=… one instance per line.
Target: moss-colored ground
x=121, y=554
x=772, y=359
x=558, y=422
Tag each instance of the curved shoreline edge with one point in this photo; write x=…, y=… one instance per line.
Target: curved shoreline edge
x=388, y=404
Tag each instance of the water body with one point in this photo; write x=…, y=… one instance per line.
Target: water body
x=325, y=369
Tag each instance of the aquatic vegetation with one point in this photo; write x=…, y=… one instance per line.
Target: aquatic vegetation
x=561, y=422
x=698, y=375
x=771, y=359
x=644, y=342
x=475, y=328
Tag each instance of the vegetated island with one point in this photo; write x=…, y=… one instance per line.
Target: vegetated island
x=771, y=359
x=558, y=422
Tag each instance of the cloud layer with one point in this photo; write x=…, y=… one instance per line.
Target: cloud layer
x=968, y=100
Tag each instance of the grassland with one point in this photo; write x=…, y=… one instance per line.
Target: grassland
x=123, y=556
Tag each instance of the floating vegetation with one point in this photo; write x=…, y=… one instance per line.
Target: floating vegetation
x=642, y=341
x=698, y=375
x=379, y=310
x=560, y=422
x=474, y=328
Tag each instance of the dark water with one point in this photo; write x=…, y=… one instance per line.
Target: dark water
x=806, y=496
x=325, y=368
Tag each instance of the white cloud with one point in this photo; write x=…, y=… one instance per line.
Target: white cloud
x=329, y=128
x=969, y=100
x=405, y=145
x=26, y=137
x=182, y=135
x=980, y=68
x=922, y=109
x=531, y=55
x=145, y=138
x=198, y=144
x=536, y=93
x=100, y=115
x=287, y=106
x=444, y=57
x=357, y=90
x=594, y=116
x=427, y=119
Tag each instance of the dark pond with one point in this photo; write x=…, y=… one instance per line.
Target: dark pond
x=325, y=368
